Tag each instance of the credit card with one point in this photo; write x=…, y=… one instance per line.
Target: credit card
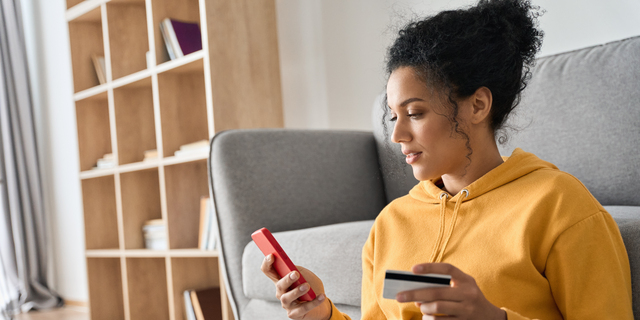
x=398, y=281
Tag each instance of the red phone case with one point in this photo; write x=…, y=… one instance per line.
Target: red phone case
x=282, y=264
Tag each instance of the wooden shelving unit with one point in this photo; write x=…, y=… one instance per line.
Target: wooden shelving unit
x=158, y=103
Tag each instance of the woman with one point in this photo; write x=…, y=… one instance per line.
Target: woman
x=520, y=239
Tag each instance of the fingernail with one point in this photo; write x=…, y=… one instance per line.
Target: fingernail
x=401, y=297
x=294, y=275
x=304, y=287
x=321, y=297
x=268, y=258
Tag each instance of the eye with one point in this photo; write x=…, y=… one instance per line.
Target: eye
x=393, y=118
x=414, y=115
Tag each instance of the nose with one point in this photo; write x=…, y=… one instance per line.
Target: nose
x=400, y=132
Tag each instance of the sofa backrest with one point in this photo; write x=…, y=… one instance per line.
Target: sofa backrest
x=288, y=180
x=581, y=112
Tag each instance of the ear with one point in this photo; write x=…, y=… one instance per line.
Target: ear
x=481, y=102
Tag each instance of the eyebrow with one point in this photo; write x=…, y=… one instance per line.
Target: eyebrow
x=406, y=102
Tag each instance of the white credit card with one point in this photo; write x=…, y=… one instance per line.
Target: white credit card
x=398, y=281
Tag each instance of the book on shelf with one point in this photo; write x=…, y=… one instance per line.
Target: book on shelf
x=99, y=66
x=188, y=306
x=207, y=234
x=180, y=37
x=155, y=234
x=206, y=303
x=107, y=161
x=150, y=155
x=198, y=147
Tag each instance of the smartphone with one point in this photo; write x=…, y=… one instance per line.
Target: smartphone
x=282, y=264
x=398, y=281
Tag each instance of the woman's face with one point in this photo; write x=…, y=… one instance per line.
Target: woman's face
x=421, y=127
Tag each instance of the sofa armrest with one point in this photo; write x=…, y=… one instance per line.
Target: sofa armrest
x=288, y=180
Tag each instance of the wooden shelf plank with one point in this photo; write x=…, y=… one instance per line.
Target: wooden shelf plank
x=103, y=253
x=149, y=164
x=177, y=63
x=140, y=75
x=186, y=253
x=184, y=159
x=145, y=253
x=82, y=8
x=88, y=174
x=91, y=92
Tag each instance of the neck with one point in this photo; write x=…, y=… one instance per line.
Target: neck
x=483, y=159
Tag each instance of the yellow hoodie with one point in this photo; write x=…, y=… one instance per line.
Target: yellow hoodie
x=538, y=244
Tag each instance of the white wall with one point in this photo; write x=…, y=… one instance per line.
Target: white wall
x=332, y=62
x=355, y=34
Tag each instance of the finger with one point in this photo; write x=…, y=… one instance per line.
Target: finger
x=441, y=308
x=302, y=309
x=268, y=270
x=291, y=296
x=431, y=294
x=283, y=285
x=442, y=268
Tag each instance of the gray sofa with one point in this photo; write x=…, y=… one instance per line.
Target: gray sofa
x=319, y=191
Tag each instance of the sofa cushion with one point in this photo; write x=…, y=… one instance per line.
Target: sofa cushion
x=624, y=214
x=332, y=252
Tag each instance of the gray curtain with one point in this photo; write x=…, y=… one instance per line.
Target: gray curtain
x=23, y=232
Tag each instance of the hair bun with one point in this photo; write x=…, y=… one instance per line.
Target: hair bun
x=516, y=22
x=492, y=44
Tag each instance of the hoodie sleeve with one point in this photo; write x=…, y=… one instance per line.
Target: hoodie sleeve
x=336, y=314
x=588, y=270
x=369, y=304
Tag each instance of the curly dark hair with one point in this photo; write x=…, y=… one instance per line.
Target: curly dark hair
x=492, y=44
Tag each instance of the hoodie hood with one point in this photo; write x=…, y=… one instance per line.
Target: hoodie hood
x=519, y=164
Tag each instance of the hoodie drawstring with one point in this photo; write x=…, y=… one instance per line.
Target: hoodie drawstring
x=443, y=209
x=454, y=218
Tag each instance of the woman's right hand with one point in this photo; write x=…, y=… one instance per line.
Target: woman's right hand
x=317, y=309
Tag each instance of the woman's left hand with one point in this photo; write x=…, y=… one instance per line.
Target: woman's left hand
x=462, y=300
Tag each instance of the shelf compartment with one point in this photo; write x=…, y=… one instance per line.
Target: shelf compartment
x=192, y=274
x=85, y=37
x=186, y=10
x=185, y=184
x=71, y=3
x=94, y=132
x=140, y=203
x=100, y=215
x=129, y=41
x=135, y=126
x=105, y=289
x=147, y=284
x=178, y=88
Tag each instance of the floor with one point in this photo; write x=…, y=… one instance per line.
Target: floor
x=66, y=313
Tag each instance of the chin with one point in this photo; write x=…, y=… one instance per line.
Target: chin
x=423, y=175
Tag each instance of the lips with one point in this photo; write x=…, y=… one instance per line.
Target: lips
x=412, y=157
